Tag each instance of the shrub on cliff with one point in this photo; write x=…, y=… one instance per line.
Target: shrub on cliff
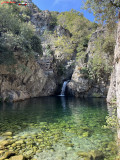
x=36, y=44
x=53, y=21
x=99, y=65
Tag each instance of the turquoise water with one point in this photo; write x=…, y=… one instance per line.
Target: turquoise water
x=56, y=128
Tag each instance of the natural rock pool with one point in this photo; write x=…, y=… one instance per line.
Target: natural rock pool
x=56, y=128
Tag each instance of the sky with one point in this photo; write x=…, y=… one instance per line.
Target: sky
x=63, y=5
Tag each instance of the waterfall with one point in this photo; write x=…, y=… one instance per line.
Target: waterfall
x=63, y=88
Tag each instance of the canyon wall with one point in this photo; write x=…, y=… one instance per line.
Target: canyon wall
x=114, y=90
x=81, y=85
x=27, y=79
x=43, y=75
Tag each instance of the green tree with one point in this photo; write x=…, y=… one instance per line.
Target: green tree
x=53, y=20
x=16, y=34
x=104, y=11
x=36, y=44
x=80, y=29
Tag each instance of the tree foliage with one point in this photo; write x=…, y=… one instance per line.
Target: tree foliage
x=16, y=32
x=65, y=46
x=53, y=21
x=104, y=11
x=76, y=23
x=80, y=29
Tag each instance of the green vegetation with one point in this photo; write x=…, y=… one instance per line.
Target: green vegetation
x=100, y=64
x=61, y=69
x=53, y=21
x=79, y=30
x=36, y=44
x=107, y=12
x=65, y=46
x=16, y=33
x=111, y=120
x=75, y=43
x=49, y=51
x=78, y=26
x=104, y=11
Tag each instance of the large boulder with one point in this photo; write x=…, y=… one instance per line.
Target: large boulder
x=78, y=84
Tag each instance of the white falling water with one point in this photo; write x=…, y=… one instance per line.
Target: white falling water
x=63, y=88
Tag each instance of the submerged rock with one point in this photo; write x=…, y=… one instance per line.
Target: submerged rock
x=7, y=134
x=19, y=142
x=85, y=134
x=92, y=155
x=96, y=155
x=69, y=144
x=1, y=152
x=4, y=143
x=19, y=157
x=83, y=154
x=7, y=155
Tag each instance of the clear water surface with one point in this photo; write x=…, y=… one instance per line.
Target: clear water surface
x=58, y=128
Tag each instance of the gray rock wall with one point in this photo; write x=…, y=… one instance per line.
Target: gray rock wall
x=114, y=89
x=81, y=86
x=34, y=81
x=44, y=77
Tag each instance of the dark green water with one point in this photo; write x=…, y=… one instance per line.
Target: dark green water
x=54, y=128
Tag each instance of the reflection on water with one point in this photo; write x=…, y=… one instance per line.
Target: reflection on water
x=63, y=102
x=61, y=123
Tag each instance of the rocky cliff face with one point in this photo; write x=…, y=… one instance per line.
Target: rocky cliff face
x=39, y=76
x=79, y=85
x=44, y=75
x=48, y=34
x=117, y=68
x=21, y=84
x=41, y=20
x=114, y=90
x=82, y=86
